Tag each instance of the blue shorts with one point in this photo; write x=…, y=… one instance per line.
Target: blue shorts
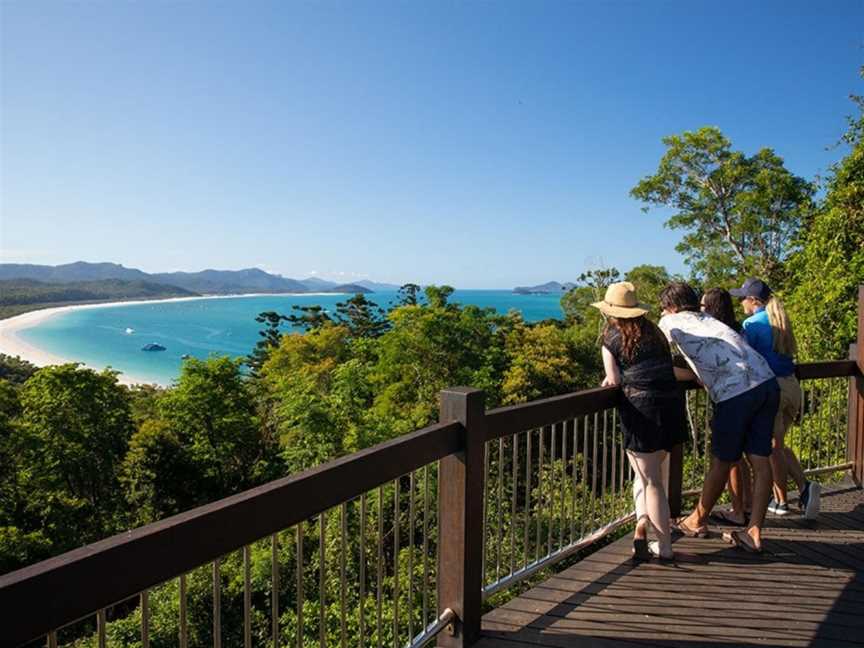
x=745, y=423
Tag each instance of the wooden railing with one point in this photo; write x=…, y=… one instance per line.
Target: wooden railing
x=550, y=474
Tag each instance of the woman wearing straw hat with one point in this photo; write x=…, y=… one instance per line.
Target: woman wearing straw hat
x=636, y=356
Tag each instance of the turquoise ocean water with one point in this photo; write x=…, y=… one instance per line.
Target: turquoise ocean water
x=202, y=327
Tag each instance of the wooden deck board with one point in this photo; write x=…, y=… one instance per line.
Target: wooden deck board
x=807, y=589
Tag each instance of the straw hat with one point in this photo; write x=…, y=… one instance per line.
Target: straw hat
x=620, y=301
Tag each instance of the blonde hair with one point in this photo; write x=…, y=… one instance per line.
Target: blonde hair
x=782, y=336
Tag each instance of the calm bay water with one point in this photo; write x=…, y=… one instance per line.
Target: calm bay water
x=203, y=327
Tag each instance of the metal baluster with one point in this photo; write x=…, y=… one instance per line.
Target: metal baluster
x=486, y=538
x=540, y=452
x=551, y=499
x=499, y=508
x=837, y=424
x=184, y=630
x=814, y=410
x=100, y=627
x=514, y=486
x=584, y=475
x=622, y=456
x=396, y=564
x=815, y=426
x=274, y=603
x=343, y=625
x=823, y=422
x=380, y=580
x=247, y=598
x=561, y=522
x=425, y=597
x=144, y=602
x=410, y=610
x=217, y=604
x=574, y=480
x=322, y=583
x=594, y=473
x=613, y=475
x=362, y=567
x=300, y=585
x=526, y=517
x=605, y=470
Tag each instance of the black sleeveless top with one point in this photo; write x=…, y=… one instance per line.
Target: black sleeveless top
x=652, y=412
x=649, y=368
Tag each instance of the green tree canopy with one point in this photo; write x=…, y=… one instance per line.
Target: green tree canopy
x=211, y=411
x=72, y=435
x=740, y=214
x=828, y=269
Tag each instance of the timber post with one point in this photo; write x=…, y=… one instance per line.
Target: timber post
x=460, y=528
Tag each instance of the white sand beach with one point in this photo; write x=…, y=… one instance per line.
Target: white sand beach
x=13, y=344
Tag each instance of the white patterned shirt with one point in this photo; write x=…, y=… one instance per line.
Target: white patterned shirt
x=719, y=356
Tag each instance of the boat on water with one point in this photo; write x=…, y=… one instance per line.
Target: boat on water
x=185, y=356
x=130, y=331
x=153, y=347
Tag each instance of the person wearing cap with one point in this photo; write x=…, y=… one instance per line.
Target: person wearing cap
x=769, y=331
x=745, y=397
x=636, y=356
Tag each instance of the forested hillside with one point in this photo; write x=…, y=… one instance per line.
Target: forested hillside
x=20, y=295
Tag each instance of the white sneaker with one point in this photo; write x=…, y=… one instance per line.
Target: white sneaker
x=811, y=510
x=777, y=508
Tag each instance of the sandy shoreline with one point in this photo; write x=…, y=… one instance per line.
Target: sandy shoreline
x=13, y=345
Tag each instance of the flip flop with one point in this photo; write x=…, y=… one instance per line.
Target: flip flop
x=722, y=517
x=735, y=538
x=683, y=529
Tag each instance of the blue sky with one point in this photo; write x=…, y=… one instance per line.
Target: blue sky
x=481, y=144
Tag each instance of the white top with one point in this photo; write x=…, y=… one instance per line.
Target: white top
x=719, y=356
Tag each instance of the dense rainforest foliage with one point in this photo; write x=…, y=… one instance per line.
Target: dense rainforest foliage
x=84, y=457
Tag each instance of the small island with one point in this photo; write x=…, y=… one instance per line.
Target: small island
x=548, y=288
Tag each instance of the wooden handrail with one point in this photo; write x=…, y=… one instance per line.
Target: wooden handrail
x=826, y=369
x=506, y=421
x=39, y=598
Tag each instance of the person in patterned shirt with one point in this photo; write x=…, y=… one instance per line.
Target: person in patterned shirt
x=745, y=395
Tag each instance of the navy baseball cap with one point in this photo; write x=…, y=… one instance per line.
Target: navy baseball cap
x=753, y=288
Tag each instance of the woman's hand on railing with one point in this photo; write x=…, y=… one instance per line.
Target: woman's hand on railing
x=610, y=381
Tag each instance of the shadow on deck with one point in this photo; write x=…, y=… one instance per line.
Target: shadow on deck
x=807, y=589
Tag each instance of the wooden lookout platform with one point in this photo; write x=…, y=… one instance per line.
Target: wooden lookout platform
x=806, y=589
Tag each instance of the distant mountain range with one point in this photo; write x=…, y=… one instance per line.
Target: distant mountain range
x=551, y=287
x=207, y=282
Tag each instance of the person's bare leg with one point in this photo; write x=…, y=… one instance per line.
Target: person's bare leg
x=793, y=467
x=641, y=531
x=747, y=482
x=649, y=467
x=712, y=488
x=761, y=494
x=778, y=465
x=736, y=491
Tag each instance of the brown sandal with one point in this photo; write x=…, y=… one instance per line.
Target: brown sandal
x=689, y=532
x=736, y=538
